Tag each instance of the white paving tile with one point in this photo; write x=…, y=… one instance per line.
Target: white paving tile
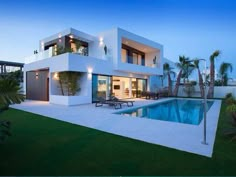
x=179, y=136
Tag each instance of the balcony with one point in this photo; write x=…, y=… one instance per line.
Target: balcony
x=52, y=51
x=139, y=58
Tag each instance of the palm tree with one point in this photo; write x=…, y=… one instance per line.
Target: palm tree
x=224, y=68
x=212, y=73
x=9, y=94
x=168, y=71
x=196, y=64
x=182, y=66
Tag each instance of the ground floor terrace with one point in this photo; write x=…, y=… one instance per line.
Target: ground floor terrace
x=184, y=137
x=45, y=86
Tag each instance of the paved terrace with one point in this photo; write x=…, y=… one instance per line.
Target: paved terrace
x=179, y=136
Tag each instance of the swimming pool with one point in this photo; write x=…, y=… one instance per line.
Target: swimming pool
x=176, y=110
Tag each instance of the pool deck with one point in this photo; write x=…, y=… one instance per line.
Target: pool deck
x=184, y=137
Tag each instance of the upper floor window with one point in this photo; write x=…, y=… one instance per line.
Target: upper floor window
x=68, y=44
x=131, y=55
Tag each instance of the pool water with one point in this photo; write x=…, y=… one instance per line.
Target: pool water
x=177, y=110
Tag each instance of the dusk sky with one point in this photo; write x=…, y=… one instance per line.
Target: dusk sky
x=194, y=28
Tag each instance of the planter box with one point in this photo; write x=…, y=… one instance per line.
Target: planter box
x=69, y=100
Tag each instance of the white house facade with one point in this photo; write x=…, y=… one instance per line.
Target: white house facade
x=115, y=62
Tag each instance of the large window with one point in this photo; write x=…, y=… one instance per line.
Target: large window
x=132, y=56
x=101, y=87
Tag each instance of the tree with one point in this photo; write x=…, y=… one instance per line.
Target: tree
x=168, y=71
x=68, y=81
x=9, y=94
x=181, y=65
x=200, y=80
x=224, y=69
x=213, y=56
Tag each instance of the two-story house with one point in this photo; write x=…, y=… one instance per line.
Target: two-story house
x=115, y=62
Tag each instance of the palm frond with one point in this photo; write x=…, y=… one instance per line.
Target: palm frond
x=214, y=55
x=225, y=67
x=10, y=92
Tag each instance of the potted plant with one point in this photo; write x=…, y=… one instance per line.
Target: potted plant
x=105, y=49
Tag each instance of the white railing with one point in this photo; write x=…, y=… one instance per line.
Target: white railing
x=39, y=56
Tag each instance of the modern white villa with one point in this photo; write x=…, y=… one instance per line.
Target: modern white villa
x=115, y=62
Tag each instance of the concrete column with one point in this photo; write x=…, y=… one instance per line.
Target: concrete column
x=5, y=69
x=130, y=87
x=1, y=69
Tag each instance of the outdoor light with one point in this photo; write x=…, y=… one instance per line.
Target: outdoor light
x=42, y=45
x=36, y=75
x=101, y=41
x=55, y=76
x=90, y=71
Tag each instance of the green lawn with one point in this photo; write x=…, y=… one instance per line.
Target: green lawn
x=43, y=146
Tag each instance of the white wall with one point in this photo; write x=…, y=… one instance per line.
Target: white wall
x=119, y=65
x=149, y=59
x=109, y=38
x=84, y=96
x=219, y=92
x=68, y=100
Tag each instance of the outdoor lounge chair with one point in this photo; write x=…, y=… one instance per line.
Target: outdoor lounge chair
x=101, y=101
x=128, y=102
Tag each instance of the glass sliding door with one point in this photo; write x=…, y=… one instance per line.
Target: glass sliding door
x=101, y=87
x=141, y=86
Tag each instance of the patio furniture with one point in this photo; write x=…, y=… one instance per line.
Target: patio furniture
x=101, y=101
x=128, y=102
x=163, y=92
x=151, y=95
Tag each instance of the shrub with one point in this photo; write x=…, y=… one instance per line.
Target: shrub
x=228, y=95
x=229, y=99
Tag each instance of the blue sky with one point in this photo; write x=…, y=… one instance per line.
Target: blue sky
x=194, y=28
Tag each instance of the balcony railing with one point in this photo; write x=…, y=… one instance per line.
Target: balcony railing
x=52, y=52
x=148, y=63
x=39, y=56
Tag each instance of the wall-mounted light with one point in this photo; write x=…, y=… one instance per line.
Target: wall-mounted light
x=71, y=36
x=36, y=75
x=55, y=76
x=90, y=71
x=100, y=41
x=42, y=45
x=59, y=37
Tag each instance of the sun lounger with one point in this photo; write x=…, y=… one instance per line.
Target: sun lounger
x=128, y=102
x=102, y=101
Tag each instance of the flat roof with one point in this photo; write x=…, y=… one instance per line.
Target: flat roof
x=9, y=63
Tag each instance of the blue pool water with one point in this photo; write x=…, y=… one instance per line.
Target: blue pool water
x=177, y=110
